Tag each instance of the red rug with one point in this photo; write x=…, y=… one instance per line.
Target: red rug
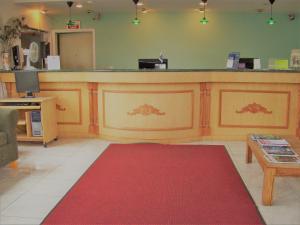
x=158, y=184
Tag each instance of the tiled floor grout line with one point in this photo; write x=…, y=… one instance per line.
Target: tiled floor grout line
x=22, y=217
x=10, y=203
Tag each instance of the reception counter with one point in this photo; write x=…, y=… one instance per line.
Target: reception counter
x=171, y=106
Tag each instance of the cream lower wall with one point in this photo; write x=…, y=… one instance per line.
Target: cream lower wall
x=169, y=108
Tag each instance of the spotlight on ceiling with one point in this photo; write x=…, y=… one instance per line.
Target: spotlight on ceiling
x=292, y=16
x=96, y=15
x=44, y=11
x=79, y=5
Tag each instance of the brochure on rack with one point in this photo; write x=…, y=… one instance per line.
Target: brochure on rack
x=265, y=136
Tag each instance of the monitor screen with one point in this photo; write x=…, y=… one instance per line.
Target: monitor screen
x=248, y=63
x=28, y=82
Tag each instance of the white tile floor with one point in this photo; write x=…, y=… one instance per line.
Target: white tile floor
x=28, y=194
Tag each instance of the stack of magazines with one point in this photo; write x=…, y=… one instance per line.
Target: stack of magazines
x=276, y=149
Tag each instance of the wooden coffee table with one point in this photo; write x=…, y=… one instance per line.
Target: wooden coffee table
x=272, y=169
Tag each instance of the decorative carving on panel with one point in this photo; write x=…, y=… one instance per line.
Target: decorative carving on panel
x=146, y=110
x=254, y=108
x=63, y=116
x=60, y=108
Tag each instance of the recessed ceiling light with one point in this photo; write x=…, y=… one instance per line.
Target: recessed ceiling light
x=140, y=3
x=44, y=11
x=79, y=5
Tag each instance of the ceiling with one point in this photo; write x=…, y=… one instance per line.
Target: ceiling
x=59, y=6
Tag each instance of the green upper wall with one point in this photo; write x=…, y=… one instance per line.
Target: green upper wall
x=184, y=41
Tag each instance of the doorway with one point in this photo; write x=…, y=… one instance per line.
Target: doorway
x=75, y=48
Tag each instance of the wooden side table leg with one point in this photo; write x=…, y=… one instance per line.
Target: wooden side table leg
x=267, y=194
x=248, y=155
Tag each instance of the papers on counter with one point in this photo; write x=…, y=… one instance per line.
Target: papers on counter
x=53, y=62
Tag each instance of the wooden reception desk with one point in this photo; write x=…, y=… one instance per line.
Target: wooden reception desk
x=171, y=106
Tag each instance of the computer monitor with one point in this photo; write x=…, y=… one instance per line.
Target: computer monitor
x=27, y=82
x=45, y=51
x=246, y=63
x=153, y=64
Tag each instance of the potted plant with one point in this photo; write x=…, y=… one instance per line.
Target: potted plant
x=9, y=33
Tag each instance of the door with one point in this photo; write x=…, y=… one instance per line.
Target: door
x=75, y=50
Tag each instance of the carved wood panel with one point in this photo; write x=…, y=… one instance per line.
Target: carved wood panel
x=254, y=109
x=148, y=110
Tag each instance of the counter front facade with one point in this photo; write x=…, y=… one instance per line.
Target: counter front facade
x=171, y=107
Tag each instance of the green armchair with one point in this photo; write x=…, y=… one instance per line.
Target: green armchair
x=8, y=137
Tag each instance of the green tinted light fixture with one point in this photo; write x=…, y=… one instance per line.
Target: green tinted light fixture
x=70, y=22
x=136, y=20
x=271, y=21
x=204, y=20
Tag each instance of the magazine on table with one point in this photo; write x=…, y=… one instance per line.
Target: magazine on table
x=264, y=142
x=255, y=137
x=282, y=159
x=279, y=150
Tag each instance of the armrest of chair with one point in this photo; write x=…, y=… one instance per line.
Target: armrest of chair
x=8, y=123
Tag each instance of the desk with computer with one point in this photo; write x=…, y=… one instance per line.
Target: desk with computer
x=37, y=115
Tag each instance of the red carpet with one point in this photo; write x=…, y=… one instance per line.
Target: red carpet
x=158, y=184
